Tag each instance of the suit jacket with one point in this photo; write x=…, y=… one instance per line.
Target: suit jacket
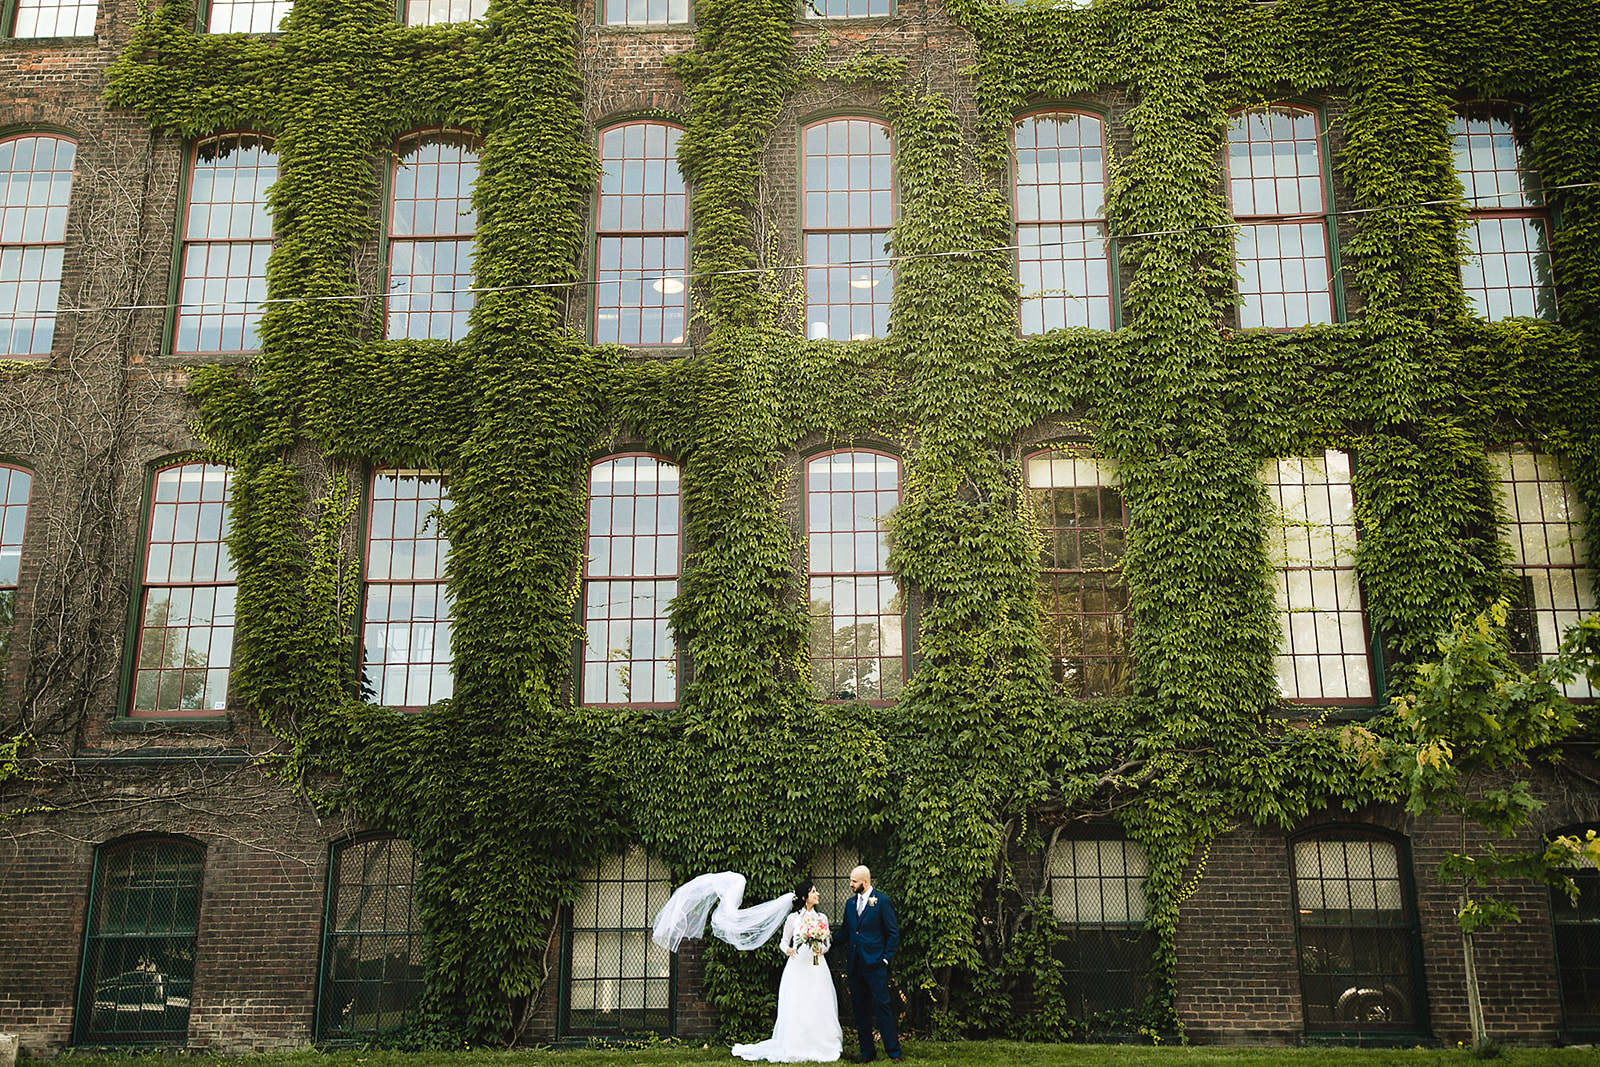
x=873, y=936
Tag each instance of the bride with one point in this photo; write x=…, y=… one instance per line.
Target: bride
x=808, y=1008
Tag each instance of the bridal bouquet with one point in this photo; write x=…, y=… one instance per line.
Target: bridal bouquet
x=814, y=932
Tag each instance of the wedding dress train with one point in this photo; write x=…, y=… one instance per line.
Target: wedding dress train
x=807, y=1028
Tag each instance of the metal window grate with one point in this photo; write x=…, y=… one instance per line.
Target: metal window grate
x=1097, y=893
x=139, y=951
x=616, y=979
x=1063, y=260
x=830, y=869
x=372, y=943
x=406, y=623
x=1577, y=930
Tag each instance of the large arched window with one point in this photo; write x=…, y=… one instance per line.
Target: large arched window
x=1097, y=894
x=1063, y=259
x=246, y=16
x=53, y=18
x=847, y=209
x=641, y=238
x=1577, y=930
x=16, y=485
x=858, y=621
x=227, y=236
x=630, y=576
x=615, y=978
x=1356, y=916
x=139, y=949
x=431, y=226
x=408, y=612
x=371, y=940
x=1507, y=269
x=35, y=189
x=186, y=604
x=1281, y=245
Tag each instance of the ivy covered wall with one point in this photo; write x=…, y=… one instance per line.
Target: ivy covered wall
x=510, y=792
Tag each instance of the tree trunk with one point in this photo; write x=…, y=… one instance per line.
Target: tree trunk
x=1480, y=1035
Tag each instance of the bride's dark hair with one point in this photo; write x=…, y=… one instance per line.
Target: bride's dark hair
x=802, y=890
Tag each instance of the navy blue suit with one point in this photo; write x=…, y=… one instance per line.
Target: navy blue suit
x=871, y=939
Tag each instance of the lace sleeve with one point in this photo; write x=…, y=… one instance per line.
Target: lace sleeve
x=790, y=925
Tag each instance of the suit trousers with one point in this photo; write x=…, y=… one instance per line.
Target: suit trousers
x=869, y=996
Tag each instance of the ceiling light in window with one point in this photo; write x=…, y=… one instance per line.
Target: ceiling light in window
x=669, y=286
x=863, y=281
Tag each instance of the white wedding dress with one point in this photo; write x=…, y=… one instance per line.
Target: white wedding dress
x=807, y=1029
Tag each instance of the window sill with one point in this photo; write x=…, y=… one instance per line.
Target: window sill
x=175, y=725
x=52, y=42
x=201, y=359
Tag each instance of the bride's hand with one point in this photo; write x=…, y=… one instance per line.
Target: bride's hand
x=788, y=952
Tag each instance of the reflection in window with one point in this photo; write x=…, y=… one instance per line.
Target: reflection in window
x=226, y=240
x=1313, y=542
x=1507, y=269
x=15, y=487
x=857, y=613
x=54, y=18
x=618, y=980
x=431, y=226
x=1577, y=929
x=847, y=210
x=138, y=960
x=371, y=940
x=35, y=187
x=1275, y=170
x=247, y=16
x=1081, y=588
x=630, y=578
x=1062, y=259
x=185, y=643
x=1358, y=936
x=1545, y=526
x=440, y=12
x=406, y=625
x=642, y=238
x=645, y=12
x=1097, y=894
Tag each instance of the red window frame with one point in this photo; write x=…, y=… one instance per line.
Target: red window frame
x=432, y=238
x=441, y=621
x=258, y=243
x=1066, y=247
x=69, y=11
x=276, y=12
x=432, y=16
x=617, y=12
x=864, y=245
x=1524, y=202
x=614, y=203
x=34, y=238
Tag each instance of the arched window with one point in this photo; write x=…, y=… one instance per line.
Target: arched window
x=1356, y=915
x=440, y=12
x=1507, y=269
x=1097, y=893
x=186, y=604
x=641, y=238
x=1577, y=930
x=630, y=577
x=858, y=645
x=408, y=612
x=1324, y=656
x=371, y=940
x=1081, y=587
x=617, y=980
x=227, y=237
x=1063, y=260
x=16, y=485
x=139, y=950
x=35, y=189
x=246, y=16
x=431, y=227
x=848, y=207
x=53, y=18
x=1281, y=245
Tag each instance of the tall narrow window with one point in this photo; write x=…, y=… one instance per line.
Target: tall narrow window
x=138, y=957
x=440, y=12
x=1281, y=245
x=1545, y=526
x=848, y=209
x=617, y=979
x=247, y=16
x=185, y=640
x=1357, y=923
x=641, y=238
x=1324, y=655
x=54, y=18
x=630, y=577
x=1081, y=588
x=431, y=226
x=645, y=12
x=830, y=869
x=1097, y=893
x=1577, y=928
x=371, y=940
x=1063, y=260
x=15, y=487
x=226, y=240
x=1507, y=269
x=858, y=646
x=406, y=628
x=35, y=188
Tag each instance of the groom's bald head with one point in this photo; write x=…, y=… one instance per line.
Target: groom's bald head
x=860, y=878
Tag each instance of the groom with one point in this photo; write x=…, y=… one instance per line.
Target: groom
x=871, y=937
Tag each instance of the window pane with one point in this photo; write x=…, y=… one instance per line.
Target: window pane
x=227, y=237
x=431, y=227
x=372, y=940
x=439, y=12
x=641, y=275
x=1097, y=893
x=1065, y=269
x=1275, y=168
x=406, y=659
x=35, y=188
x=54, y=18
x=247, y=16
x=848, y=195
x=619, y=980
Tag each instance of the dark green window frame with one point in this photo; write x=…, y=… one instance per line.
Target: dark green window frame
x=617, y=901
x=361, y=995
x=10, y=9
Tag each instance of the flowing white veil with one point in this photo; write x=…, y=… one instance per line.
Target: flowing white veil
x=684, y=913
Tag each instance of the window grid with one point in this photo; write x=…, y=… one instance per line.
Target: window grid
x=830, y=870
x=372, y=940
x=1577, y=936
x=1274, y=174
x=858, y=647
x=226, y=240
x=1507, y=271
x=186, y=616
x=1357, y=937
x=54, y=18
x=431, y=227
x=443, y=12
x=139, y=950
x=848, y=207
x=1325, y=656
x=35, y=189
x=246, y=16
x=1063, y=258
x=641, y=238
x=630, y=578
x=617, y=978
x=1097, y=893
x=406, y=624
x=1083, y=523
x=848, y=9
x=1544, y=522
x=645, y=12
x=16, y=485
